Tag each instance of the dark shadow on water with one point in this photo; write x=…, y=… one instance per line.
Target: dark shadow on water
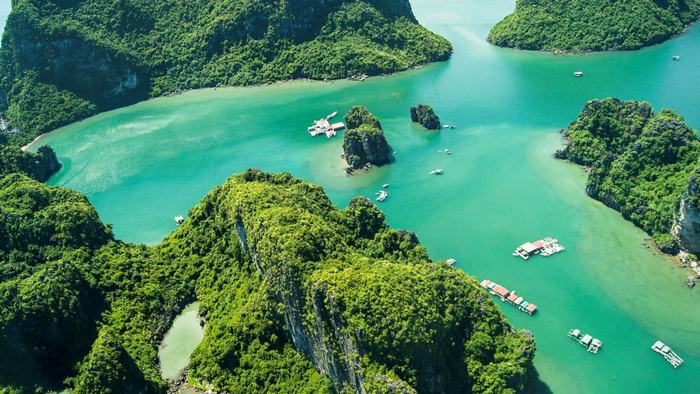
x=538, y=386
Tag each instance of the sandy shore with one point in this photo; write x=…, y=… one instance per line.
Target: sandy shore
x=25, y=147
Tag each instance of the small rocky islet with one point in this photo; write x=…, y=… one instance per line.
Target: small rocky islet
x=364, y=143
x=425, y=115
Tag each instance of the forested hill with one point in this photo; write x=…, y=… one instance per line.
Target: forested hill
x=644, y=164
x=298, y=296
x=63, y=60
x=593, y=25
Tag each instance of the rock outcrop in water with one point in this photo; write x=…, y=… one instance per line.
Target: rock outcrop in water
x=364, y=143
x=425, y=115
x=298, y=296
x=643, y=164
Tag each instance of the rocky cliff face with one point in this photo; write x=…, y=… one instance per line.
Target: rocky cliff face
x=686, y=228
x=425, y=115
x=327, y=286
x=107, y=76
x=364, y=143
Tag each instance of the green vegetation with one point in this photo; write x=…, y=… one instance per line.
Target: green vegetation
x=425, y=115
x=641, y=162
x=364, y=143
x=39, y=166
x=64, y=60
x=298, y=297
x=593, y=25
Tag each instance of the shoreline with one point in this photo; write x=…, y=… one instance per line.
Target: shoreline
x=253, y=86
x=26, y=147
x=565, y=52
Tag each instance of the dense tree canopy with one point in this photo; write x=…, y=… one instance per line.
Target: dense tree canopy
x=641, y=162
x=298, y=297
x=63, y=60
x=593, y=25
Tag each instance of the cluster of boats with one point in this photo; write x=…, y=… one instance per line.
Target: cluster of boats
x=509, y=296
x=586, y=340
x=382, y=194
x=324, y=126
x=546, y=246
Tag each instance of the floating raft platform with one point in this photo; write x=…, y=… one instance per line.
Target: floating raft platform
x=509, y=296
x=667, y=353
x=586, y=340
x=545, y=247
x=324, y=126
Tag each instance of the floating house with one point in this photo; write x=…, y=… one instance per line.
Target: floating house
x=509, y=296
x=545, y=247
x=586, y=340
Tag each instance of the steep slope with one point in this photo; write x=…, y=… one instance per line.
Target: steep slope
x=63, y=60
x=643, y=164
x=593, y=25
x=298, y=297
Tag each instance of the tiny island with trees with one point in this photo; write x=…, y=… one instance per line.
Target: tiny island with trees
x=364, y=143
x=425, y=116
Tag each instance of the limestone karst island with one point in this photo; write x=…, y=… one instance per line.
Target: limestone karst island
x=349, y=196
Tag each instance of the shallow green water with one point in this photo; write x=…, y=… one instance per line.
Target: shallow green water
x=180, y=341
x=145, y=164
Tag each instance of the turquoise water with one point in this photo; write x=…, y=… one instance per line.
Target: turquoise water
x=5, y=8
x=179, y=342
x=142, y=165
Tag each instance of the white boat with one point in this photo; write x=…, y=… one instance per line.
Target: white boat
x=676, y=57
x=437, y=171
x=179, y=219
x=382, y=196
x=449, y=152
x=386, y=185
x=578, y=74
x=446, y=126
x=451, y=261
x=331, y=116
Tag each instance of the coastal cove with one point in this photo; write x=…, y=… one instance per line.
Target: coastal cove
x=142, y=165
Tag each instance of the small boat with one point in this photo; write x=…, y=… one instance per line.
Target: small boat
x=446, y=126
x=386, y=185
x=667, y=353
x=179, y=219
x=690, y=282
x=382, y=196
x=451, y=261
x=453, y=126
x=676, y=57
x=578, y=74
x=449, y=152
x=437, y=171
x=331, y=116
